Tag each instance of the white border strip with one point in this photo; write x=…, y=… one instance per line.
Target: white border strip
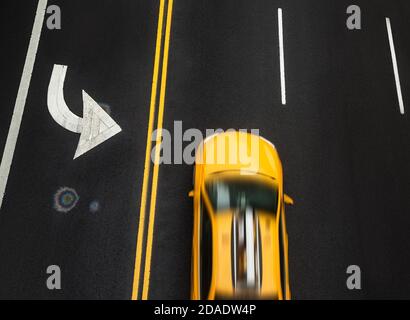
x=395, y=67
x=21, y=98
x=281, y=57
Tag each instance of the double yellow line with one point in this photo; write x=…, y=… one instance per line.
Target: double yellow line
x=160, y=43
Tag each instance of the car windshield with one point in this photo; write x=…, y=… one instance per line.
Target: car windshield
x=256, y=191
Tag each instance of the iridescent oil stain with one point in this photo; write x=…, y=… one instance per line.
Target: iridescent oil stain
x=94, y=206
x=65, y=199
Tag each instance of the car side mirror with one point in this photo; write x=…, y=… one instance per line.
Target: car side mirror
x=191, y=194
x=288, y=200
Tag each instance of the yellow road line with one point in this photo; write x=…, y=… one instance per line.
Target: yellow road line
x=147, y=270
x=147, y=163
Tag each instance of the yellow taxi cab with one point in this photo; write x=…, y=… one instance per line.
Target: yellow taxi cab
x=240, y=242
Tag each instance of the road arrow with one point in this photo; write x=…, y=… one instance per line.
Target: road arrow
x=95, y=127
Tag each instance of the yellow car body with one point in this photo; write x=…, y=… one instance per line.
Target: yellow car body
x=240, y=242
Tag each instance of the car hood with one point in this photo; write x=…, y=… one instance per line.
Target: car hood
x=239, y=151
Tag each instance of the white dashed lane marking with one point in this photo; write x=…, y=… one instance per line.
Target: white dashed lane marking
x=281, y=57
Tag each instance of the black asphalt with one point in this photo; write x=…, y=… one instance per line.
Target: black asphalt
x=109, y=49
x=16, y=35
x=341, y=138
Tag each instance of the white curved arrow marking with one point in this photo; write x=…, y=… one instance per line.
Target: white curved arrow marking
x=95, y=127
x=56, y=103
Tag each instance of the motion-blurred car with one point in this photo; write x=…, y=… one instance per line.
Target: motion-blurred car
x=240, y=242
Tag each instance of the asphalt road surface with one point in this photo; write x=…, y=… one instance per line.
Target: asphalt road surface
x=341, y=136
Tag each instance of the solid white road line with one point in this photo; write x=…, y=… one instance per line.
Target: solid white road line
x=395, y=67
x=281, y=57
x=21, y=98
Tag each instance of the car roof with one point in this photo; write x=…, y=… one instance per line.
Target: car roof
x=232, y=274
